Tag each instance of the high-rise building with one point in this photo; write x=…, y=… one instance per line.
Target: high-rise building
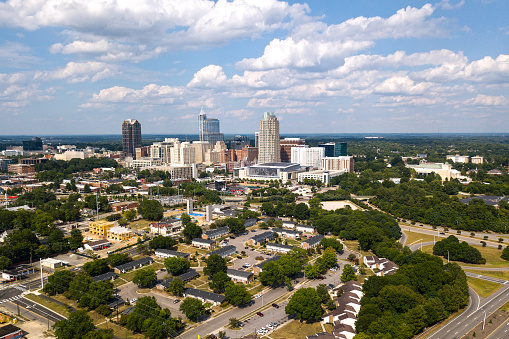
x=307, y=156
x=286, y=147
x=257, y=139
x=239, y=142
x=32, y=145
x=208, y=129
x=131, y=137
x=269, y=148
x=338, y=164
x=335, y=149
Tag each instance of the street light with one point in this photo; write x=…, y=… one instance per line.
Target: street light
x=484, y=321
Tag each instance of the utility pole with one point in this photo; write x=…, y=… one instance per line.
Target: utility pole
x=40, y=268
x=447, y=256
x=97, y=205
x=484, y=321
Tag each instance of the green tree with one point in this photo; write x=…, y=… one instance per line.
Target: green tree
x=290, y=264
x=329, y=257
x=130, y=214
x=301, y=211
x=76, y=239
x=5, y=262
x=162, y=242
x=305, y=303
x=272, y=274
x=331, y=242
x=322, y=292
x=100, y=334
x=505, y=253
x=218, y=281
x=56, y=241
x=185, y=218
x=236, y=294
x=312, y=271
x=77, y=326
x=215, y=263
x=79, y=286
x=96, y=267
x=116, y=259
x=176, y=287
x=192, y=231
x=98, y=293
x=348, y=273
x=151, y=209
x=192, y=308
x=58, y=282
x=42, y=222
x=145, y=277
x=87, y=189
x=176, y=265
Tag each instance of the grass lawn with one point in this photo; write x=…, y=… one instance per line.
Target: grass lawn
x=492, y=256
x=505, y=307
x=495, y=274
x=190, y=249
x=140, y=224
x=51, y=305
x=353, y=245
x=413, y=237
x=121, y=332
x=130, y=275
x=296, y=329
x=482, y=287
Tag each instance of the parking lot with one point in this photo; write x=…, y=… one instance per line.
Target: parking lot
x=240, y=243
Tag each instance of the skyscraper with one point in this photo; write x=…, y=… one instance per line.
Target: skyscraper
x=208, y=129
x=269, y=148
x=131, y=137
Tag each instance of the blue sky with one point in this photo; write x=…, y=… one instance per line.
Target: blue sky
x=337, y=66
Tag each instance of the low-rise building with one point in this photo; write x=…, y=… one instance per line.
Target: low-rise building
x=97, y=245
x=287, y=233
x=10, y=331
x=311, y=242
x=21, y=168
x=105, y=277
x=240, y=276
x=119, y=233
x=261, y=238
x=306, y=229
x=289, y=224
x=167, y=227
x=216, y=233
x=203, y=243
x=164, y=253
x=213, y=298
x=223, y=252
x=279, y=248
x=381, y=266
x=17, y=272
x=133, y=265
x=123, y=206
x=190, y=274
x=320, y=175
x=100, y=227
x=51, y=263
x=477, y=160
x=458, y=158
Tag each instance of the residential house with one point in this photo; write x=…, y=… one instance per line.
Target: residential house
x=287, y=233
x=306, y=229
x=261, y=238
x=216, y=233
x=215, y=299
x=167, y=227
x=311, y=242
x=240, y=276
x=257, y=269
x=203, y=243
x=280, y=248
x=105, y=277
x=133, y=265
x=381, y=266
x=164, y=253
x=190, y=274
x=223, y=252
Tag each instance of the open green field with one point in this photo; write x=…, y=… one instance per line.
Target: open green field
x=130, y=275
x=482, y=287
x=492, y=256
x=296, y=329
x=353, y=245
x=414, y=237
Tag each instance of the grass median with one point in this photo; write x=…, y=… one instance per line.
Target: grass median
x=482, y=287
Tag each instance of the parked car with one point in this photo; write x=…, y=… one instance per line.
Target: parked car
x=239, y=257
x=275, y=305
x=259, y=314
x=176, y=301
x=331, y=285
x=257, y=296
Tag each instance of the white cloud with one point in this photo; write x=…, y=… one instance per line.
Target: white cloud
x=79, y=72
x=487, y=100
x=17, y=55
x=402, y=85
x=445, y=4
x=316, y=44
x=209, y=76
x=153, y=94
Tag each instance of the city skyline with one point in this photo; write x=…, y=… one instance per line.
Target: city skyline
x=322, y=67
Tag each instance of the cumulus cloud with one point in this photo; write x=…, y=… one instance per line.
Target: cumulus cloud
x=487, y=100
x=209, y=76
x=316, y=44
x=154, y=94
x=17, y=55
x=445, y=4
x=79, y=72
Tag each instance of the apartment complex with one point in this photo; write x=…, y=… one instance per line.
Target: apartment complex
x=269, y=149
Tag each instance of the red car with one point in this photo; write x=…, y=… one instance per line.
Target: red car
x=259, y=314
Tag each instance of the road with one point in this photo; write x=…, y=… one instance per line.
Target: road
x=502, y=332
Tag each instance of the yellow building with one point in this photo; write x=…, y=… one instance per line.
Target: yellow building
x=100, y=227
x=119, y=233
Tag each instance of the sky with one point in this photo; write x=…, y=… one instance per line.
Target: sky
x=335, y=66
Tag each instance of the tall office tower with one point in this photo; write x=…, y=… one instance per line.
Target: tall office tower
x=131, y=137
x=340, y=150
x=239, y=142
x=269, y=148
x=286, y=147
x=32, y=145
x=257, y=139
x=208, y=129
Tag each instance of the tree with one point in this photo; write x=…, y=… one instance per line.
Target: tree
x=116, y=259
x=100, y=334
x=98, y=293
x=151, y=209
x=145, y=277
x=76, y=239
x=348, y=273
x=148, y=318
x=272, y=274
x=192, y=308
x=58, y=282
x=329, y=257
x=290, y=264
x=234, y=322
x=301, y=211
x=312, y=271
x=219, y=281
x=305, y=303
x=79, y=286
x=331, y=242
x=215, y=263
x=176, y=265
x=76, y=326
x=176, y=287
x=185, y=218
x=236, y=294
x=505, y=253
x=5, y=262
x=130, y=214
x=321, y=291
x=86, y=189
x=192, y=231
x=162, y=242
x=96, y=267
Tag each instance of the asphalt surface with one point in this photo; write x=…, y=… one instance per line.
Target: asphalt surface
x=502, y=332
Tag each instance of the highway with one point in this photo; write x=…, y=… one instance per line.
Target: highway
x=37, y=309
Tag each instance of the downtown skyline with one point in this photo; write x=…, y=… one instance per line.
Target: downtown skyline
x=321, y=67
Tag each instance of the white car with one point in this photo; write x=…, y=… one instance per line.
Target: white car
x=269, y=326
x=257, y=296
x=246, y=265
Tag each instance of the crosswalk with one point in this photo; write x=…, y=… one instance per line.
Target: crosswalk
x=11, y=299
x=21, y=288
